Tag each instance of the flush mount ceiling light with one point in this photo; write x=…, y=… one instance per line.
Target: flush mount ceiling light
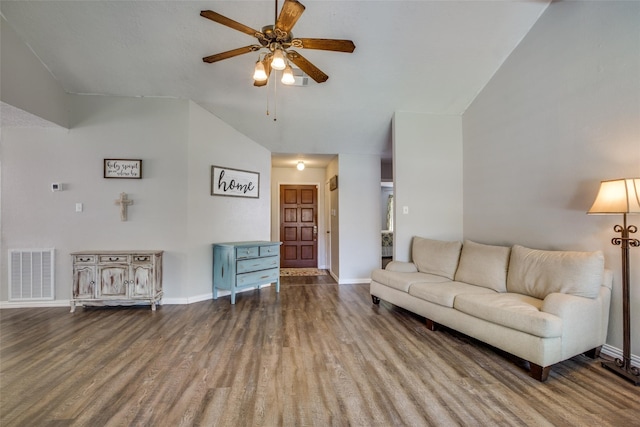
x=276, y=42
x=300, y=165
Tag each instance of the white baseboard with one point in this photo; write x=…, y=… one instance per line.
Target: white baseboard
x=340, y=281
x=204, y=297
x=353, y=281
x=187, y=300
x=617, y=353
x=164, y=301
x=35, y=304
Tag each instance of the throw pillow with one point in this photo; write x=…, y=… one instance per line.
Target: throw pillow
x=484, y=265
x=436, y=256
x=538, y=273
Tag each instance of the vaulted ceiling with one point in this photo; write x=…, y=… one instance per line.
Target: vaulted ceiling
x=424, y=56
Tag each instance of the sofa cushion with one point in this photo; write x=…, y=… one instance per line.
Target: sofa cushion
x=444, y=293
x=436, y=256
x=538, y=273
x=515, y=311
x=484, y=265
x=401, y=280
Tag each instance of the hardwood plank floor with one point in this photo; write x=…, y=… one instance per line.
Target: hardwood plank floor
x=317, y=354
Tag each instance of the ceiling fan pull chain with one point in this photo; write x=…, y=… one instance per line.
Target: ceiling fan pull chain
x=275, y=96
x=268, y=82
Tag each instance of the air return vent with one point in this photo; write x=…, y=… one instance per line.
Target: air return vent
x=31, y=274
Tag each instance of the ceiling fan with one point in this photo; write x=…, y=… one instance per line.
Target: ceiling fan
x=275, y=42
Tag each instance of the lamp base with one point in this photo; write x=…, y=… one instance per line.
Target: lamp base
x=630, y=372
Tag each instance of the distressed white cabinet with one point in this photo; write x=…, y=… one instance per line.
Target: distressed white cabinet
x=116, y=277
x=239, y=265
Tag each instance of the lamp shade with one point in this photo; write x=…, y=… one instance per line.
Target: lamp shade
x=287, y=75
x=618, y=196
x=259, y=73
x=277, y=62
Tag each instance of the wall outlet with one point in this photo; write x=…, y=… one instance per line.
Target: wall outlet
x=78, y=207
x=405, y=210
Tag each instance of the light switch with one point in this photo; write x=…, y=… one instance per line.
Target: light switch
x=78, y=207
x=405, y=210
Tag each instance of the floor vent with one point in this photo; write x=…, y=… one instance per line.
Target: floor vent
x=31, y=274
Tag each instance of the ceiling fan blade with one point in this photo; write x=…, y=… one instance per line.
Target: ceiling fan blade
x=266, y=62
x=325, y=44
x=230, y=53
x=312, y=71
x=216, y=17
x=289, y=15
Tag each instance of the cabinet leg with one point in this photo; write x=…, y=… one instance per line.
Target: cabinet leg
x=73, y=307
x=153, y=306
x=278, y=285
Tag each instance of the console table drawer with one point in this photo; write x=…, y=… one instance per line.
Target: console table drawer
x=247, y=252
x=80, y=259
x=269, y=250
x=114, y=258
x=264, y=276
x=255, y=264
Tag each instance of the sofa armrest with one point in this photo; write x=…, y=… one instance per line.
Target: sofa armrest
x=584, y=320
x=401, y=267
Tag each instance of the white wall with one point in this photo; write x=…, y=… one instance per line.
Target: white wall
x=173, y=209
x=26, y=84
x=292, y=176
x=214, y=219
x=359, y=217
x=561, y=114
x=427, y=156
x=35, y=217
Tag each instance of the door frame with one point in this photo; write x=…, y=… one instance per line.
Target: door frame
x=322, y=233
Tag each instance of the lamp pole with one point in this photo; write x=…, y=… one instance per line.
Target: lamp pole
x=623, y=366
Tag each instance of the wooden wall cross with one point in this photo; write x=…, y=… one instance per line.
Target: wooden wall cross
x=124, y=202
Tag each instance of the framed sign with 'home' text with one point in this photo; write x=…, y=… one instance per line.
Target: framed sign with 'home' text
x=234, y=182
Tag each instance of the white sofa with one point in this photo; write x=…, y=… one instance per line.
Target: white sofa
x=542, y=306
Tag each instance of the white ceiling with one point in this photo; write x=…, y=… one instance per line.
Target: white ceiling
x=424, y=56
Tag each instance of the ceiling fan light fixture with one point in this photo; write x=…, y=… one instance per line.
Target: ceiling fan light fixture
x=278, y=62
x=287, y=76
x=259, y=73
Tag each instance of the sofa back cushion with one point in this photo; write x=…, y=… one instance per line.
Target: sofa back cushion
x=538, y=273
x=436, y=256
x=484, y=265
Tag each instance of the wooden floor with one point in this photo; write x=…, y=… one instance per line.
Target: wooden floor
x=317, y=354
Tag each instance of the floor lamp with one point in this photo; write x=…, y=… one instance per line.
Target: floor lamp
x=622, y=196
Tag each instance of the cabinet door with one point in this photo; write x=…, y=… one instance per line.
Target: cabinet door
x=142, y=284
x=84, y=281
x=113, y=281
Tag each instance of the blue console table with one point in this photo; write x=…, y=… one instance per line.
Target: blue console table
x=239, y=265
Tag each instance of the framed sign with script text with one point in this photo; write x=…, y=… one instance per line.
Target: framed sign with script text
x=234, y=182
x=122, y=168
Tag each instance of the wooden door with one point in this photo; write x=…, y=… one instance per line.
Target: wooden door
x=298, y=226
